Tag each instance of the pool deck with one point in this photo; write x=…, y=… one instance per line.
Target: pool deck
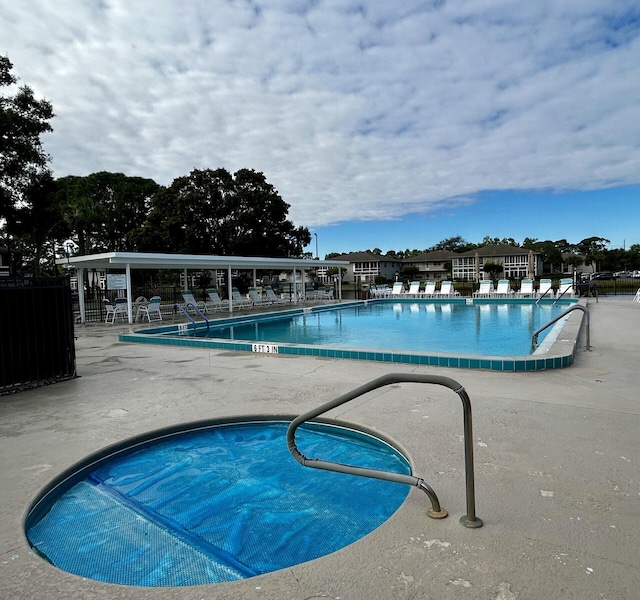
x=557, y=457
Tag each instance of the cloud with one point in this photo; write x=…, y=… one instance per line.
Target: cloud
x=354, y=111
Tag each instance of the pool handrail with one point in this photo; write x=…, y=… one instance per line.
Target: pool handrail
x=435, y=511
x=184, y=309
x=537, y=332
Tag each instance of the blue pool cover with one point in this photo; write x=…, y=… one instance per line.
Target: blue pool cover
x=218, y=504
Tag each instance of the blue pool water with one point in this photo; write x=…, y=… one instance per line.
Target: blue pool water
x=489, y=328
x=219, y=503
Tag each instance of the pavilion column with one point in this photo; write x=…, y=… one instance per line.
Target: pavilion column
x=229, y=287
x=129, y=292
x=81, y=299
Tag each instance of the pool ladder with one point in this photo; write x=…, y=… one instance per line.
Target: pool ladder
x=435, y=511
x=184, y=309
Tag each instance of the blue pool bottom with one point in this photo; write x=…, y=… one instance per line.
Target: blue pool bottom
x=221, y=503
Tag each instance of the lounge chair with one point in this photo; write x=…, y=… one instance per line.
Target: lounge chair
x=323, y=294
x=636, y=298
x=271, y=296
x=116, y=310
x=414, y=289
x=485, y=290
x=398, y=288
x=526, y=289
x=238, y=301
x=190, y=303
x=214, y=302
x=503, y=288
x=565, y=290
x=447, y=289
x=256, y=297
x=429, y=289
x=151, y=310
x=545, y=290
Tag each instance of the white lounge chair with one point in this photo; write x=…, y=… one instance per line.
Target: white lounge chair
x=256, y=297
x=429, y=289
x=526, y=289
x=447, y=289
x=397, y=289
x=485, y=290
x=151, y=310
x=214, y=302
x=565, y=290
x=322, y=293
x=271, y=296
x=190, y=303
x=545, y=290
x=414, y=289
x=237, y=299
x=503, y=288
x=636, y=298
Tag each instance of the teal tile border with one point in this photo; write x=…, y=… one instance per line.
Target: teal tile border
x=560, y=355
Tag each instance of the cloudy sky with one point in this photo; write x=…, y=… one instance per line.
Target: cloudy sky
x=388, y=124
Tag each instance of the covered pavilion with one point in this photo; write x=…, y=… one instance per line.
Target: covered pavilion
x=126, y=261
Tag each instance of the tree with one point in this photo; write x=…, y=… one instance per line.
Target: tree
x=214, y=212
x=454, y=244
x=493, y=269
x=23, y=119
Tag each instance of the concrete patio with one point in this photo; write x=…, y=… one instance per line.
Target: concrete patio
x=557, y=457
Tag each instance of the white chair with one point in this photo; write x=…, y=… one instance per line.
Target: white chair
x=545, y=290
x=190, y=303
x=503, y=288
x=397, y=289
x=117, y=310
x=151, y=310
x=238, y=301
x=214, y=301
x=256, y=297
x=485, y=290
x=447, y=289
x=429, y=289
x=636, y=298
x=565, y=290
x=414, y=289
x=271, y=296
x=526, y=289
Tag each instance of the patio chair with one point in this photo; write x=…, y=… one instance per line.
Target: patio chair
x=447, y=289
x=190, y=303
x=271, y=296
x=117, y=310
x=414, y=289
x=545, y=290
x=429, y=289
x=151, y=310
x=214, y=302
x=526, y=289
x=256, y=297
x=503, y=288
x=323, y=294
x=485, y=290
x=397, y=289
x=565, y=290
x=238, y=300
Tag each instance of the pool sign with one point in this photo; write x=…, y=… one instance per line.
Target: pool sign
x=267, y=348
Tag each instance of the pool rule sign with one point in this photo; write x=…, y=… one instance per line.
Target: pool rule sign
x=267, y=348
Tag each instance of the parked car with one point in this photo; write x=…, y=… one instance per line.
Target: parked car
x=622, y=274
x=602, y=276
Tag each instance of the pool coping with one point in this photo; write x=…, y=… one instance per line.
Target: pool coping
x=558, y=352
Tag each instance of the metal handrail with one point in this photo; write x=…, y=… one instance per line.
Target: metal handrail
x=584, y=309
x=435, y=511
x=184, y=309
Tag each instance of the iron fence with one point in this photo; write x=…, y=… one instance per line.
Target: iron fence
x=37, y=344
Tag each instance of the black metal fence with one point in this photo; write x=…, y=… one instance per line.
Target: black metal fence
x=37, y=344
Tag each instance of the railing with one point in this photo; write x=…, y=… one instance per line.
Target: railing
x=435, y=511
x=584, y=309
x=184, y=309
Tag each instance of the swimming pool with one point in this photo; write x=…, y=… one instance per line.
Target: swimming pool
x=213, y=502
x=462, y=333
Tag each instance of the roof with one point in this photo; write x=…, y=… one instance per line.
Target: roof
x=142, y=260
x=366, y=257
x=497, y=250
x=434, y=255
